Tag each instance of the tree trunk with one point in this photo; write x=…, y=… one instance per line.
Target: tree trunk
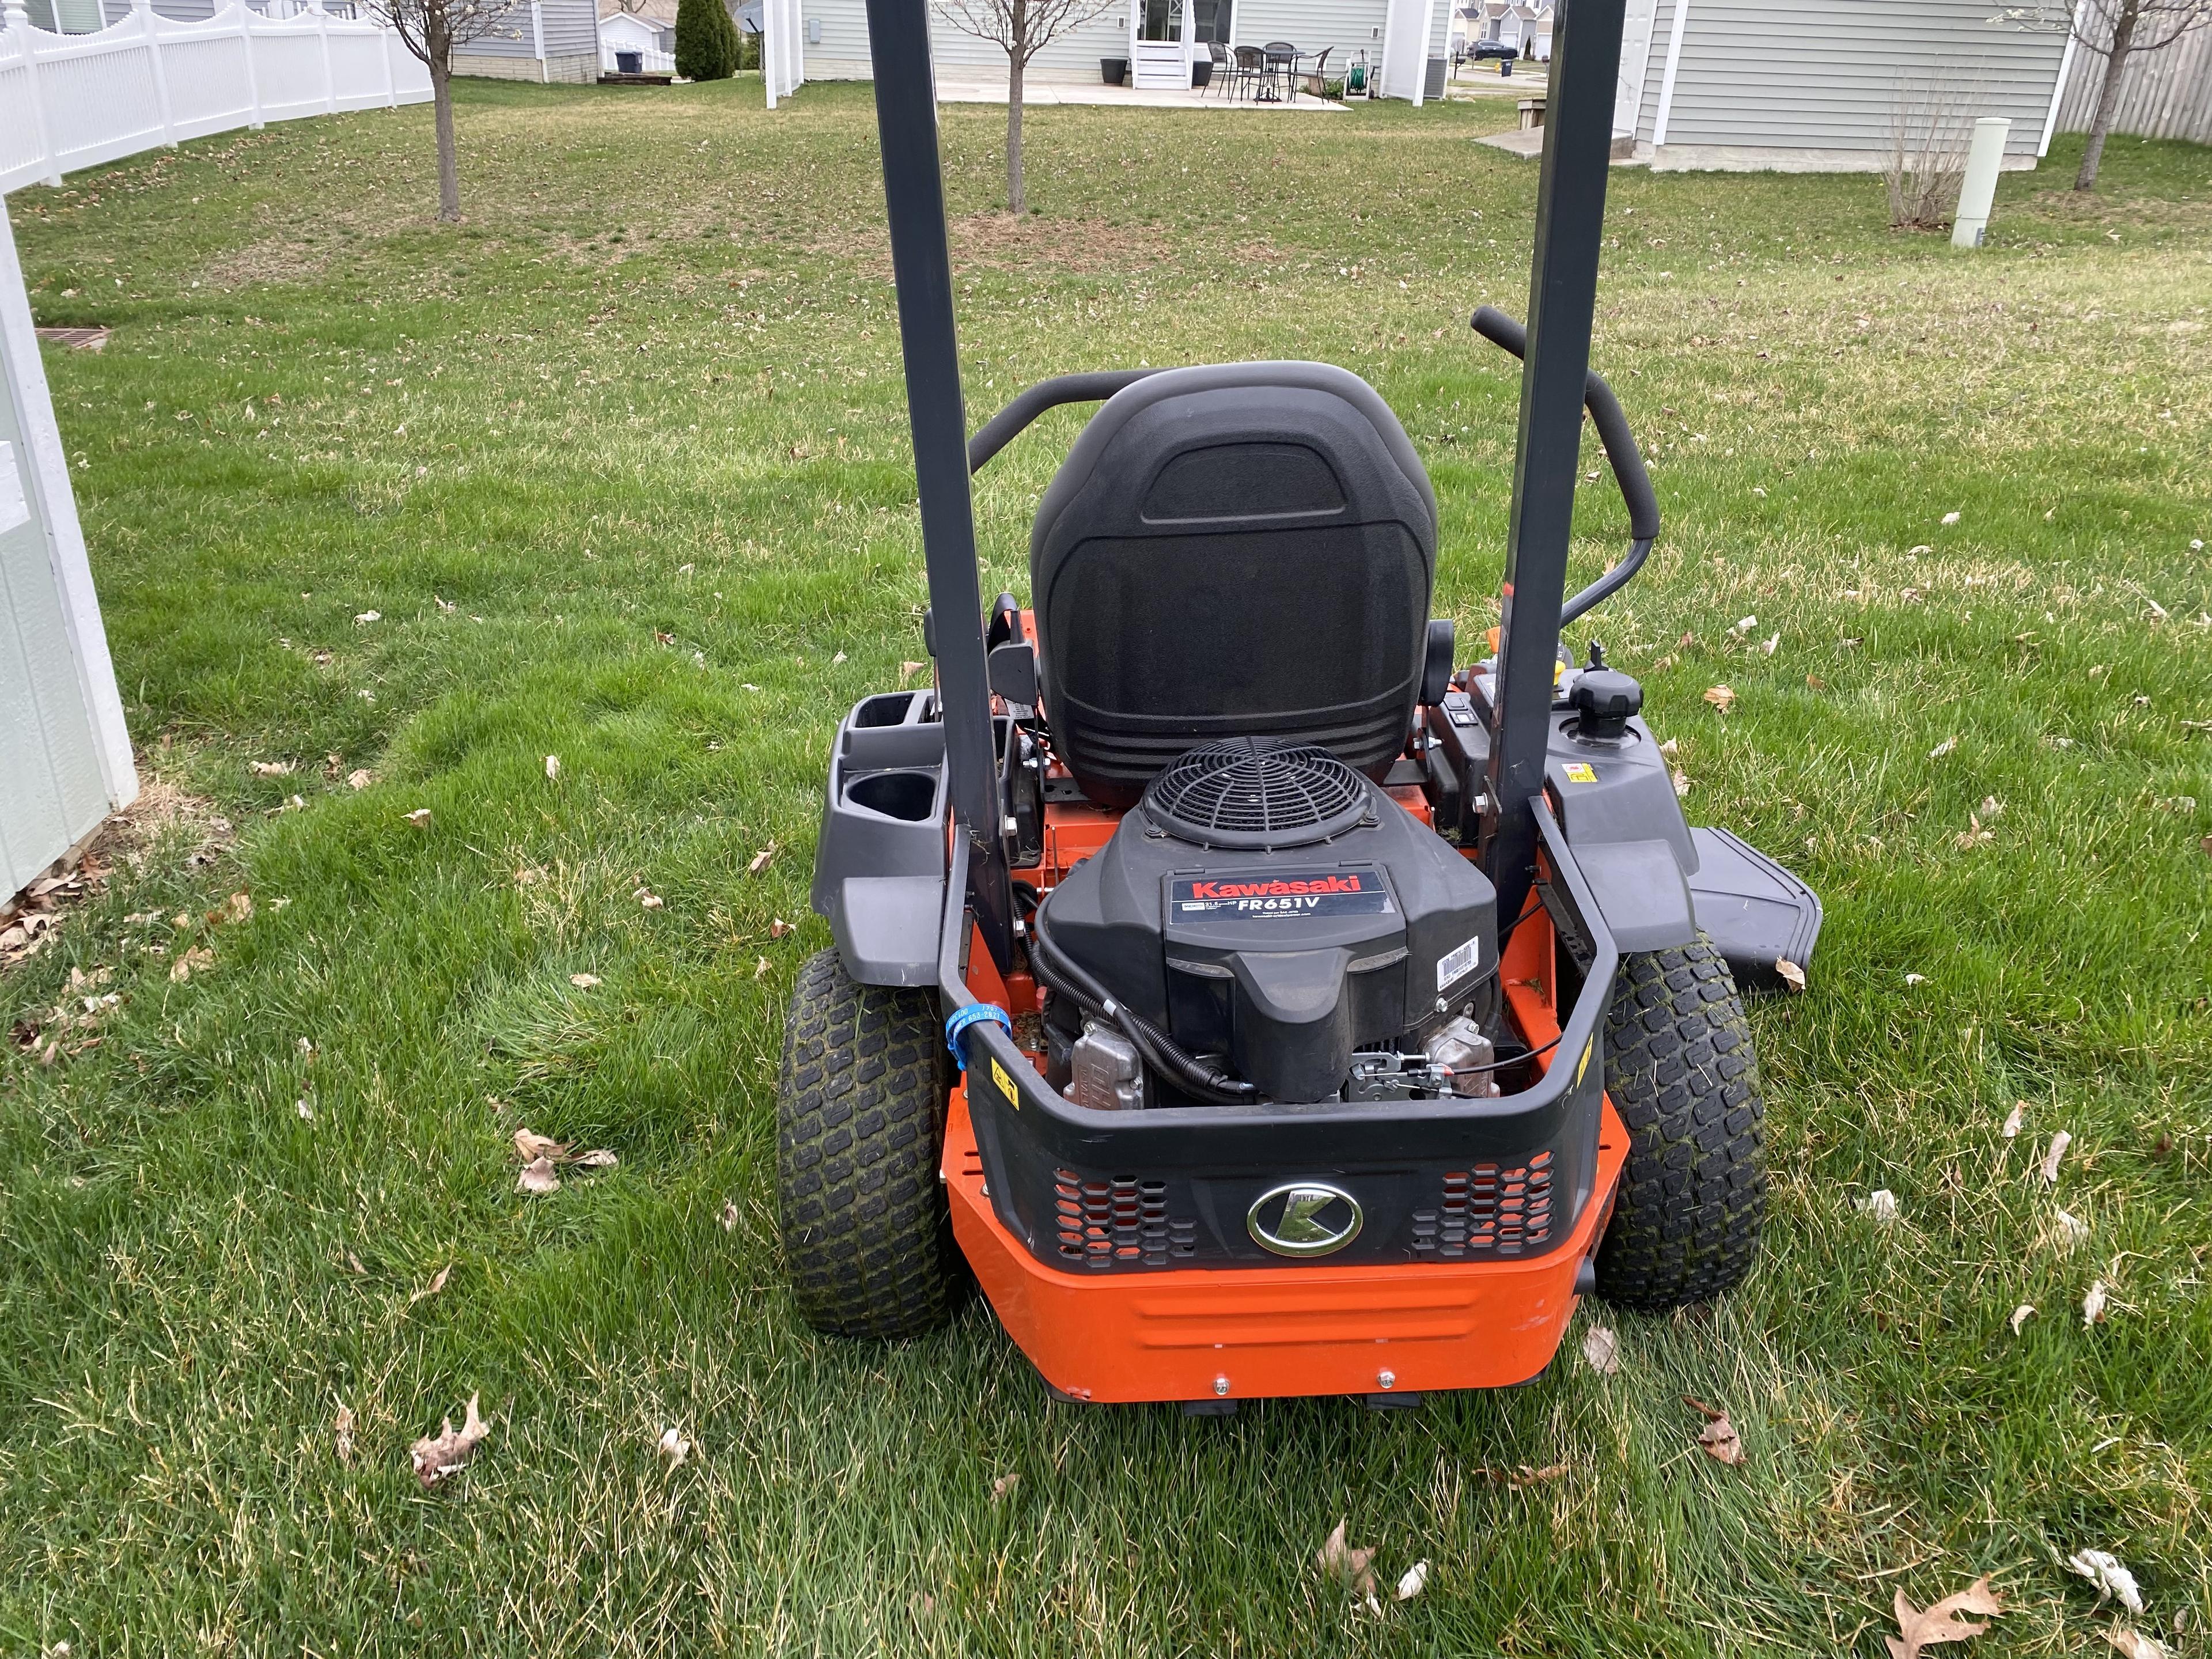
x=449, y=172
x=1014, y=199
x=2108, y=95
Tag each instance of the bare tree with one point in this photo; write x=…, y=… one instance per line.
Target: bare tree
x=1020, y=28
x=433, y=29
x=2119, y=32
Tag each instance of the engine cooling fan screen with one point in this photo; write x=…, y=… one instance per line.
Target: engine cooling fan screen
x=1245, y=794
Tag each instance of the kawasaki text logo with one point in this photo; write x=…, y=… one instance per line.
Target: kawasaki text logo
x=1238, y=890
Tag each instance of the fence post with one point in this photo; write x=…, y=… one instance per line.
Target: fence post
x=329, y=80
x=245, y=15
x=384, y=35
x=145, y=9
x=19, y=25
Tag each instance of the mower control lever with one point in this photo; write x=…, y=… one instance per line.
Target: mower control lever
x=1620, y=451
x=1009, y=423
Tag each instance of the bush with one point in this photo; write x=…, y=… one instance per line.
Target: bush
x=707, y=47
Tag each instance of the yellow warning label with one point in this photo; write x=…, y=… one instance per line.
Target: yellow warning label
x=1005, y=1083
x=1581, y=772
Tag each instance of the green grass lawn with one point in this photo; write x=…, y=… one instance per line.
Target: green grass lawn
x=621, y=466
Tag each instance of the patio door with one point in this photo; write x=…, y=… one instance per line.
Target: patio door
x=1160, y=48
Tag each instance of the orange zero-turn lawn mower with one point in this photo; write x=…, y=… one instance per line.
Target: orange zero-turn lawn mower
x=1261, y=1001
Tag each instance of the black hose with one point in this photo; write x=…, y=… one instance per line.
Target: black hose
x=1061, y=973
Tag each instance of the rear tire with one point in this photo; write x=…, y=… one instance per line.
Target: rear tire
x=867, y=1238
x=1680, y=1071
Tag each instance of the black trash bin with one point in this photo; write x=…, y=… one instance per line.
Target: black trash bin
x=1201, y=72
x=629, y=63
x=1111, y=70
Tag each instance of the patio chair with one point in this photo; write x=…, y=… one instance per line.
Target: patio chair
x=1251, y=70
x=1282, y=68
x=1224, y=68
x=1316, y=78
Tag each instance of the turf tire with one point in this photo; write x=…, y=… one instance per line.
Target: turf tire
x=1679, y=1069
x=867, y=1239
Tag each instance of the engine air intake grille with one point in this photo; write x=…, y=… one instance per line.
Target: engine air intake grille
x=1245, y=794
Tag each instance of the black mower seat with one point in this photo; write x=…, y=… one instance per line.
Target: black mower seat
x=1244, y=549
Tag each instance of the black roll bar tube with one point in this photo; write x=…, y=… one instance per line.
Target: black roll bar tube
x=1620, y=454
x=1009, y=423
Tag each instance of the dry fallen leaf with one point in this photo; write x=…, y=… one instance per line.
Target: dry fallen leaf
x=1721, y=697
x=1881, y=1206
x=909, y=670
x=552, y=768
x=729, y=1217
x=778, y=928
x=2014, y=1118
x=1355, y=1568
x=360, y=778
x=420, y=817
x=646, y=898
x=271, y=769
x=1415, y=1581
x=437, y=1283
x=1718, y=1436
x=1791, y=974
x=2059, y=1143
x=2134, y=1644
x=1524, y=1476
x=2067, y=1231
x=444, y=1453
x=1004, y=1486
x=760, y=859
x=1943, y=1622
x=760, y=968
x=192, y=962
x=1600, y=1350
x=530, y=1147
x=2021, y=1315
x=583, y=982
x=2092, y=1304
x=674, y=1447
x=598, y=1158
x=2110, y=1577
x=1681, y=783
x=238, y=906
x=1767, y=648
x=537, y=1178
x=1950, y=518
x=342, y=1433
x=1943, y=749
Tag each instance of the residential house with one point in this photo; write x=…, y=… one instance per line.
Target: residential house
x=1524, y=26
x=543, y=40
x=647, y=27
x=1827, y=85
x=1403, y=41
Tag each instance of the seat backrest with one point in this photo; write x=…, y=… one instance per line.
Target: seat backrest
x=1245, y=550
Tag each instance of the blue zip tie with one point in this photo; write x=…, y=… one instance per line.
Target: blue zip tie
x=961, y=1018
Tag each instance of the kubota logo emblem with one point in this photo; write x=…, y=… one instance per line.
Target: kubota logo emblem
x=1304, y=1218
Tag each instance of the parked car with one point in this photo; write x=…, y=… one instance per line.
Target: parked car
x=1480, y=49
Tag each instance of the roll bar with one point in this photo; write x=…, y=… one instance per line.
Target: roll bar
x=1620, y=453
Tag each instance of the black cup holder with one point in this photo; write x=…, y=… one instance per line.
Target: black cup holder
x=890, y=709
x=911, y=796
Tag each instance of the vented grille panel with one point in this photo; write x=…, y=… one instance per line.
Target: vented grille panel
x=1489, y=1210
x=1118, y=1222
x=1245, y=794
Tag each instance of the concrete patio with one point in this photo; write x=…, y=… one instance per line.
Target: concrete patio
x=969, y=85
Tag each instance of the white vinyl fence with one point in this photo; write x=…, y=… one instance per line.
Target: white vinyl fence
x=653, y=61
x=76, y=100
x=783, y=49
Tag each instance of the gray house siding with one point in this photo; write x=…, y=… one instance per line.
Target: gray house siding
x=177, y=11
x=1830, y=74
x=511, y=51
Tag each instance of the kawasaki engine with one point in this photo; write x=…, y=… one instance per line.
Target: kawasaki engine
x=1267, y=924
